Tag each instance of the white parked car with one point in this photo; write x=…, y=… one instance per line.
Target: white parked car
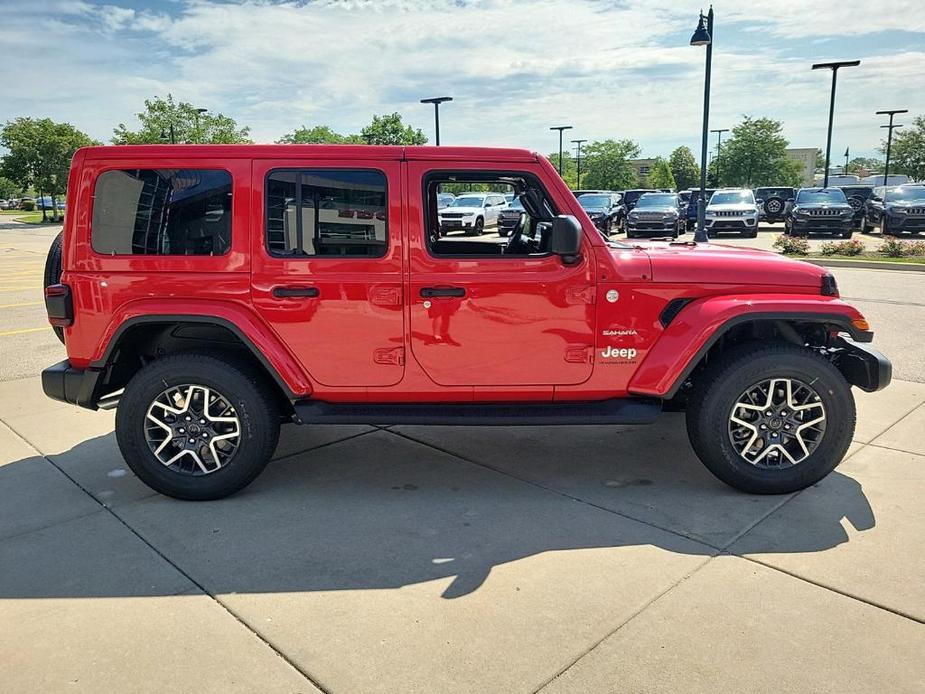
x=733, y=210
x=471, y=213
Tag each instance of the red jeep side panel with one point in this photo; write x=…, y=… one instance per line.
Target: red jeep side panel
x=699, y=321
x=522, y=321
x=351, y=333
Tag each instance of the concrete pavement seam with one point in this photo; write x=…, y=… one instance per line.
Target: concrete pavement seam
x=323, y=445
x=622, y=624
x=896, y=450
x=177, y=568
x=558, y=492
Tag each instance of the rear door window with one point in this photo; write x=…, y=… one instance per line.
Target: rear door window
x=162, y=212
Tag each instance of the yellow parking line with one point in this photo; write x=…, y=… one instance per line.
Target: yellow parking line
x=24, y=303
x=24, y=330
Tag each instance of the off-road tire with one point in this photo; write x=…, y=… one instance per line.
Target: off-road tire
x=730, y=375
x=246, y=390
x=53, y=264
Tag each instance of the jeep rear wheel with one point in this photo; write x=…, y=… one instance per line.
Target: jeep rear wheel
x=195, y=427
x=53, y=272
x=774, y=206
x=477, y=228
x=771, y=419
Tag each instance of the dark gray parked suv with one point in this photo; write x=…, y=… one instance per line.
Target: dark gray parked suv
x=895, y=209
x=822, y=210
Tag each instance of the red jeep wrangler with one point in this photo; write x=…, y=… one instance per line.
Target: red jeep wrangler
x=213, y=292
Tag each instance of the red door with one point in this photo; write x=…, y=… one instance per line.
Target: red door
x=327, y=266
x=497, y=321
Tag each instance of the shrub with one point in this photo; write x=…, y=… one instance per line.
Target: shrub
x=916, y=248
x=792, y=245
x=893, y=248
x=28, y=206
x=852, y=247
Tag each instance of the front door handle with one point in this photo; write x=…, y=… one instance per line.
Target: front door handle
x=301, y=292
x=431, y=292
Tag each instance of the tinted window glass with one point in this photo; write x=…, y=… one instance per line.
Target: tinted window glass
x=162, y=212
x=327, y=212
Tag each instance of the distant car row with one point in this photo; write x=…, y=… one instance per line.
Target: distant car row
x=22, y=203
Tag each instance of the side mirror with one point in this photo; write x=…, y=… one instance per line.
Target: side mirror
x=566, y=238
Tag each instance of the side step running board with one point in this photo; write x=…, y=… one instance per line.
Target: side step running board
x=615, y=411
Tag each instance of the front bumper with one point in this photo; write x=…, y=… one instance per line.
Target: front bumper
x=456, y=224
x=898, y=223
x=731, y=223
x=74, y=386
x=652, y=224
x=822, y=224
x=862, y=365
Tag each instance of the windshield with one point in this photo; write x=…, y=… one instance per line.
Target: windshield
x=468, y=201
x=590, y=201
x=774, y=192
x=515, y=204
x=657, y=200
x=732, y=197
x=906, y=194
x=824, y=195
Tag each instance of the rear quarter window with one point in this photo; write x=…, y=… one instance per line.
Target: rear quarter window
x=162, y=212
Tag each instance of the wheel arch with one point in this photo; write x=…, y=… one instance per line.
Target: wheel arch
x=687, y=344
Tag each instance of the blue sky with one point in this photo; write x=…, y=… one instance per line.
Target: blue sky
x=611, y=69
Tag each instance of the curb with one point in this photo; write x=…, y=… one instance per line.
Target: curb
x=866, y=264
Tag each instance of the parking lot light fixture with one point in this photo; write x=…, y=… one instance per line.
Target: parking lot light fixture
x=719, y=148
x=703, y=36
x=560, y=128
x=889, y=137
x=578, y=144
x=847, y=154
x=199, y=112
x=828, y=141
x=172, y=137
x=436, y=101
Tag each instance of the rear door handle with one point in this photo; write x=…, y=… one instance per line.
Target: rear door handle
x=286, y=292
x=431, y=292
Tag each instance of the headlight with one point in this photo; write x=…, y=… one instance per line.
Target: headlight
x=899, y=210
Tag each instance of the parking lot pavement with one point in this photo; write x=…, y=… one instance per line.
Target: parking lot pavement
x=451, y=559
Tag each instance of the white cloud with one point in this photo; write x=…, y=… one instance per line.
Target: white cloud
x=515, y=67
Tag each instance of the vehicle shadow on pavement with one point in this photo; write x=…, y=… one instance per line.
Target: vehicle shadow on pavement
x=380, y=510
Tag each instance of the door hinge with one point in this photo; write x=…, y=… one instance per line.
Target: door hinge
x=578, y=354
x=393, y=356
x=579, y=295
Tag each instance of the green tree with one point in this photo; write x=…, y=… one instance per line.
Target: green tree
x=189, y=126
x=39, y=156
x=907, y=155
x=684, y=168
x=569, y=167
x=390, y=130
x=318, y=135
x=9, y=189
x=660, y=175
x=608, y=166
x=865, y=164
x=756, y=155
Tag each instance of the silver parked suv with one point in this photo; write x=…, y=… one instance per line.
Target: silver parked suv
x=733, y=209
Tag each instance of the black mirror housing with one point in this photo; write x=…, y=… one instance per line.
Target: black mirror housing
x=566, y=238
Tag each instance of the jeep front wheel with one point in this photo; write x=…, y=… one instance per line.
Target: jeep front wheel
x=771, y=419
x=195, y=427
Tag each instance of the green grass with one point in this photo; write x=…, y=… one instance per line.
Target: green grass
x=32, y=218
x=863, y=257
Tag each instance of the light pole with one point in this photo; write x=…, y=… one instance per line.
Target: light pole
x=889, y=137
x=719, y=146
x=199, y=112
x=828, y=140
x=560, y=128
x=703, y=36
x=172, y=137
x=578, y=144
x=847, y=150
x=436, y=101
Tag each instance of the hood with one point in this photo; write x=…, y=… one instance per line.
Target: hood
x=660, y=209
x=710, y=263
x=463, y=210
x=595, y=210
x=732, y=207
x=822, y=206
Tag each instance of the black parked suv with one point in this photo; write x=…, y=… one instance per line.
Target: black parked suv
x=630, y=198
x=509, y=217
x=774, y=202
x=694, y=202
x=656, y=212
x=823, y=210
x=857, y=197
x=602, y=208
x=895, y=209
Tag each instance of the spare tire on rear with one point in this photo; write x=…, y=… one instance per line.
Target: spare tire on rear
x=53, y=273
x=774, y=206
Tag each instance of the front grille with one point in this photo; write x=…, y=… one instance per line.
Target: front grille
x=649, y=216
x=728, y=213
x=916, y=211
x=451, y=215
x=823, y=212
x=652, y=226
x=728, y=224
